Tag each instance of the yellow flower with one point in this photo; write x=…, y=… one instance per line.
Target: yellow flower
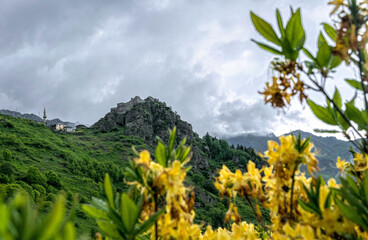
x=144, y=158
x=287, y=154
x=243, y=230
x=338, y=4
x=172, y=181
x=232, y=214
x=341, y=165
x=341, y=51
x=275, y=95
x=332, y=183
x=360, y=162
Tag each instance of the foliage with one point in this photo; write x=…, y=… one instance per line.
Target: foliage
x=19, y=220
x=320, y=210
x=77, y=164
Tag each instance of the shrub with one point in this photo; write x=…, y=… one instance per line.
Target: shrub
x=4, y=179
x=7, y=168
x=7, y=155
x=34, y=176
x=40, y=189
x=53, y=178
x=11, y=190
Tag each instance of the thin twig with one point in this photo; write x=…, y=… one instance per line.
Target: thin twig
x=259, y=219
x=156, y=208
x=292, y=193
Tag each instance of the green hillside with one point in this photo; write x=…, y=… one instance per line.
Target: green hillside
x=41, y=163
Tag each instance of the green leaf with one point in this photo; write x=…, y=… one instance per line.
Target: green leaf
x=325, y=131
x=295, y=32
x=53, y=222
x=95, y=212
x=309, y=207
x=280, y=23
x=349, y=212
x=354, y=201
x=161, y=154
x=99, y=204
x=352, y=184
x=265, y=29
x=365, y=188
x=171, y=141
x=328, y=200
x=267, y=48
x=324, y=55
x=4, y=217
x=109, y=229
x=321, y=40
x=305, y=144
x=322, y=113
x=355, y=84
x=149, y=222
x=354, y=114
x=129, y=212
x=342, y=122
x=309, y=54
x=69, y=231
x=108, y=191
x=131, y=173
x=337, y=98
x=286, y=49
x=335, y=61
x=185, y=154
x=331, y=32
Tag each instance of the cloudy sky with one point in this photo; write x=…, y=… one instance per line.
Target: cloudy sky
x=80, y=58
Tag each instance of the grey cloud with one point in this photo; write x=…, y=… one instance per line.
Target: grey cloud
x=79, y=58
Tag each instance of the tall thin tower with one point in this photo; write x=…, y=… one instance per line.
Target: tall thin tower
x=44, y=116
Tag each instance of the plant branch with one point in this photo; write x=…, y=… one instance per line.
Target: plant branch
x=322, y=90
x=292, y=192
x=259, y=219
x=361, y=74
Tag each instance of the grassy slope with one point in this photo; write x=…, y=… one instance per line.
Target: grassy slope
x=35, y=145
x=81, y=160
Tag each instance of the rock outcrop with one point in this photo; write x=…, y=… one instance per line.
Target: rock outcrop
x=147, y=119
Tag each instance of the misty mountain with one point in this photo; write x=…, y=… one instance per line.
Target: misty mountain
x=36, y=118
x=328, y=148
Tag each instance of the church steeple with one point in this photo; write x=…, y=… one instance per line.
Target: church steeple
x=44, y=116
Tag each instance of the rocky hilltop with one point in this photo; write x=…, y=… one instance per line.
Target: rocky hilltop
x=147, y=119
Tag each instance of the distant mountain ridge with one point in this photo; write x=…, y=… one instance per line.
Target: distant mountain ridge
x=36, y=118
x=328, y=148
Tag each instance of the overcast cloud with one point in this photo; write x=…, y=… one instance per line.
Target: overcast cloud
x=80, y=58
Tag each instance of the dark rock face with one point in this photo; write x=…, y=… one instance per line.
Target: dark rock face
x=147, y=119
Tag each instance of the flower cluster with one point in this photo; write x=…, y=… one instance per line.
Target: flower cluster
x=284, y=86
x=165, y=186
x=300, y=207
x=239, y=231
x=352, y=33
